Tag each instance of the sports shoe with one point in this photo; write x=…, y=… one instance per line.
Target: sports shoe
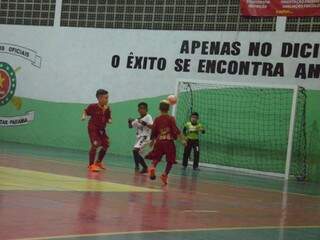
x=100, y=165
x=164, y=179
x=93, y=168
x=152, y=173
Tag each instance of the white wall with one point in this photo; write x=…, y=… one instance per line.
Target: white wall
x=77, y=61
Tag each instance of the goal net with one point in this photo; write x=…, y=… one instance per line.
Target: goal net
x=251, y=128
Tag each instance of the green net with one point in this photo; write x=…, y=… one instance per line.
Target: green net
x=246, y=127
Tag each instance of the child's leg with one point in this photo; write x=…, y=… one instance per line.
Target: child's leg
x=101, y=154
x=171, y=158
x=135, y=152
x=186, y=153
x=155, y=155
x=152, y=169
x=168, y=168
x=136, y=158
x=196, y=152
x=95, y=142
x=144, y=144
x=139, y=159
x=154, y=163
x=92, y=154
x=104, y=143
x=164, y=176
x=143, y=164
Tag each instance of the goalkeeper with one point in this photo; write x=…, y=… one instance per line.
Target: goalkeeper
x=191, y=132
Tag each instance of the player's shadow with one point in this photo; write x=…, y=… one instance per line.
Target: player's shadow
x=187, y=184
x=156, y=211
x=90, y=204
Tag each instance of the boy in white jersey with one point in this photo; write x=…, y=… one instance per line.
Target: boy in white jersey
x=143, y=124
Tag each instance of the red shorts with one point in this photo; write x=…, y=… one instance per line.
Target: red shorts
x=163, y=147
x=98, y=137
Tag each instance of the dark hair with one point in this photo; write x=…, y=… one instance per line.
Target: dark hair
x=101, y=92
x=164, y=106
x=195, y=114
x=143, y=104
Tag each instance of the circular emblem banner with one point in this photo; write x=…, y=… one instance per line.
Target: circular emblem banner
x=7, y=83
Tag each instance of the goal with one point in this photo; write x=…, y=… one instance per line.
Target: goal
x=253, y=128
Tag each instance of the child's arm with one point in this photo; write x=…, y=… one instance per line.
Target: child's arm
x=149, y=126
x=143, y=123
x=109, y=114
x=146, y=121
x=182, y=138
x=84, y=115
x=154, y=133
x=201, y=128
x=136, y=123
x=184, y=130
x=87, y=112
x=151, y=143
x=130, y=120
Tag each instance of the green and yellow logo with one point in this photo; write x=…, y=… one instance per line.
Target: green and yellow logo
x=8, y=83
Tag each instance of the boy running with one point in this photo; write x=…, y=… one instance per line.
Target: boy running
x=100, y=115
x=164, y=132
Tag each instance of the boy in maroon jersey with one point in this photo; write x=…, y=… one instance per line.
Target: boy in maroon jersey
x=164, y=132
x=100, y=115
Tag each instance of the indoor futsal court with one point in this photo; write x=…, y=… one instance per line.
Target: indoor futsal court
x=47, y=194
x=160, y=119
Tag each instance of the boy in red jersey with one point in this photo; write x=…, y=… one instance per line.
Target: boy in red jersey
x=164, y=132
x=100, y=115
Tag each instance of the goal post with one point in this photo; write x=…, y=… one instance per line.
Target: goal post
x=250, y=127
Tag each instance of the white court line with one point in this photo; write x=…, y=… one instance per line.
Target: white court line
x=169, y=231
x=200, y=211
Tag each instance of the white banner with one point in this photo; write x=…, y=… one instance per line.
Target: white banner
x=23, y=52
x=138, y=64
x=17, y=120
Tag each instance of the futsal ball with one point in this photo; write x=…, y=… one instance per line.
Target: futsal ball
x=172, y=99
